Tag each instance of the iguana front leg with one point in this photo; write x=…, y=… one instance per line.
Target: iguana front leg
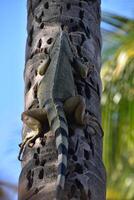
x=82, y=68
x=33, y=119
x=76, y=105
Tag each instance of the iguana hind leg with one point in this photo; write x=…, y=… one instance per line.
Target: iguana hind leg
x=34, y=119
x=82, y=68
x=77, y=106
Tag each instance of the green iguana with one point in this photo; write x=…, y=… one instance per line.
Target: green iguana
x=57, y=96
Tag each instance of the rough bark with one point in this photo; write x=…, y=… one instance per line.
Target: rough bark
x=85, y=178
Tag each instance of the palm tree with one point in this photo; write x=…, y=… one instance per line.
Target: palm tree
x=85, y=175
x=118, y=105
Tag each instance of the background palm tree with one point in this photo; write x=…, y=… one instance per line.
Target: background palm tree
x=118, y=105
x=7, y=190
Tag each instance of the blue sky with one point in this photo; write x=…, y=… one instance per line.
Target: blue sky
x=122, y=7
x=12, y=53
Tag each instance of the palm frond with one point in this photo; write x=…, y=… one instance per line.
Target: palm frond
x=118, y=105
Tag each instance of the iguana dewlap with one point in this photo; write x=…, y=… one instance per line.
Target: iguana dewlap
x=57, y=97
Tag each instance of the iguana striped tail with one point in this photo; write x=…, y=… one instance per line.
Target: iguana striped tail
x=58, y=125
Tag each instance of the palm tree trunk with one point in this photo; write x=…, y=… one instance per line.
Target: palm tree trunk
x=85, y=177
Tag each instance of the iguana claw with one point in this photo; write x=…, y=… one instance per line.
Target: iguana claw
x=30, y=141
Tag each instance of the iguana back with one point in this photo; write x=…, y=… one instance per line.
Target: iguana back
x=58, y=82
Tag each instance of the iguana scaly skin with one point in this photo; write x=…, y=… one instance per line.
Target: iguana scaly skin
x=57, y=96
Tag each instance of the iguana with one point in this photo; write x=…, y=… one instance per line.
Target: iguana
x=57, y=96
